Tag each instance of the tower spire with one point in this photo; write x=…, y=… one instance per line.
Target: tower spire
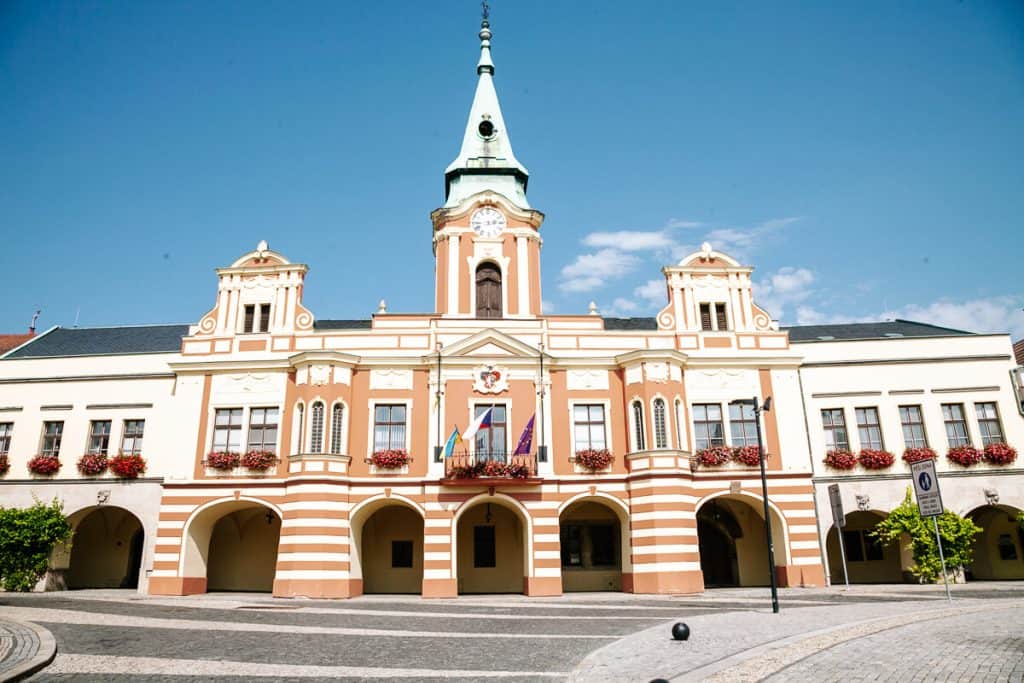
x=486, y=161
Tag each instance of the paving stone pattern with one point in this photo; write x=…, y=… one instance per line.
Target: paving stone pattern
x=17, y=644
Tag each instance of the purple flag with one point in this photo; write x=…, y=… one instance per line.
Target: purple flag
x=525, y=439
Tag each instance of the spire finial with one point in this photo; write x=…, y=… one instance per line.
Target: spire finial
x=486, y=10
x=485, y=65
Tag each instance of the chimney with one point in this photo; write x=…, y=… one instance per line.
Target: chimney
x=32, y=325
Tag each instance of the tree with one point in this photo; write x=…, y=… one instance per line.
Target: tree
x=27, y=537
x=957, y=538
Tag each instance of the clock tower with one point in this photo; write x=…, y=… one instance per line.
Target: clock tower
x=486, y=236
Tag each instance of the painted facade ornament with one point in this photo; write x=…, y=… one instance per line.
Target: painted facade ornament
x=102, y=496
x=991, y=496
x=319, y=375
x=863, y=502
x=490, y=379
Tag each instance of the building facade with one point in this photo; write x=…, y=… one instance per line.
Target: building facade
x=308, y=456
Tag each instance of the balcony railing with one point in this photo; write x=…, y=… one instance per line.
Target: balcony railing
x=490, y=464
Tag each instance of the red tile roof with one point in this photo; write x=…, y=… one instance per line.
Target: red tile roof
x=10, y=341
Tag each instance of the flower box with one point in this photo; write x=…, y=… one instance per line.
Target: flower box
x=872, y=459
x=714, y=456
x=259, y=460
x=44, y=465
x=390, y=459
x=128, y=465
x=964, y=456
x=92, y=464
x=222, y=460
x=912, y=455
x=490, y=469
x=747, y=455
x=594, y=459
x=999, y=454
x=5, y=464
x=840, y=460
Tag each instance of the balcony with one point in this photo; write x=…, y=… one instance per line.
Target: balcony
x=489, y=468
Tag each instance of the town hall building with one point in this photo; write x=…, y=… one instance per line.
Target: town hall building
x=488, y=447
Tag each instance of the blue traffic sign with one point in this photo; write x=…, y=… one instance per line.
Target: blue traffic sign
x=925, y=481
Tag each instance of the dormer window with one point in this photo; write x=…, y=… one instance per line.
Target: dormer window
x=257, y=318
x=713, y=317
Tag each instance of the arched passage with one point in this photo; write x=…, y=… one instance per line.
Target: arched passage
x=106, y=549
x=732, y=544
x=233, y=544
x=594, y=540
x=999, y=548
x=867, y=560
x=387, y=547
x=491, y=547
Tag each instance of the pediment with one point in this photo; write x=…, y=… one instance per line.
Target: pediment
x=488, y=344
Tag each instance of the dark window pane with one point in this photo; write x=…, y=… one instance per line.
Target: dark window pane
x=572, y=545
x=705, y=317
x=854, y=549
x=602, y=545
x=250, y=314
x=720, y=318
x=401, y=554
x=264, y=317
x=483, y=546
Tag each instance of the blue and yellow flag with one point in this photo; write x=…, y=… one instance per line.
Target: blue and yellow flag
x=454, y=440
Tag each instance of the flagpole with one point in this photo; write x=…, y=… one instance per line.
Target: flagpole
x=542, y=451
x=437, y=406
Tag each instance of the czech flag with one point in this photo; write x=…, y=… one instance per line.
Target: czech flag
x=482, y=421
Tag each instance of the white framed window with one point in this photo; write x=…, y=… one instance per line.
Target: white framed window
x=680, y=422
x=660, y=423
x=263, y=429
x=589, y=425
x=131, y=436
x=742, y=424
x=337, y=424
x=636, y=411
x=6, y=430
x=316, y=427
x=299, y=428
x=256, y=318
x=388, y=422
x=99, y=437
x=53, y=432
x=492, y=442
x=708, y=429
x=227, y=430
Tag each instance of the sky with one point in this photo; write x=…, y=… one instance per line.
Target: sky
x=867, y=158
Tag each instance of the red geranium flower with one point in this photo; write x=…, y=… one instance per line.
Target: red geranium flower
x=999, y=454
x=222, y=460
x=92, y=464
x=714, y=456
x=128, y=465
x=964, y=455
x=259, y=460
x=747, y=455
x=872, y=459
x=390, y=459
x=5, y=464
x=594, y=459
x=912, y=455
x=840, y=459
x=44, y=464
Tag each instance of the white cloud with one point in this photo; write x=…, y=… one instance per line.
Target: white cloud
x=620, y=308
x=547, y=307
x=591, y=271
x=786, y=286
x=629, y=240
x=653, y=291
x=738, y=242
x=681, y=223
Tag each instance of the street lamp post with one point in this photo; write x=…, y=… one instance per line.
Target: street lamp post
x=764, y=496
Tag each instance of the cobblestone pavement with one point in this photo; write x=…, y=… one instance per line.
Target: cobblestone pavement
x=120, y=635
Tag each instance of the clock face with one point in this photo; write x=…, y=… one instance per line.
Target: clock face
x=487, y=222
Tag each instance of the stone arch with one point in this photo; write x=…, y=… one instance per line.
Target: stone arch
x=232, y=544
x=106, y=549
x=737, y=533
x=867, y=561
x=999, y=548
x=507, y=537
x=370, y=552
x=592, y=511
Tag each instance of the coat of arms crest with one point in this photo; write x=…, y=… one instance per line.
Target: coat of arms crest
x=490, y=379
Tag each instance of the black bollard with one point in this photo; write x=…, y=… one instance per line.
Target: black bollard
x=659, y=680
x=680, y=631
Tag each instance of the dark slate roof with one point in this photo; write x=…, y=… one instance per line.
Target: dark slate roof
x=889, y=329
x=342, y=324
x=630, y=323
x=102, y=341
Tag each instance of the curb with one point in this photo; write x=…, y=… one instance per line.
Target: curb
x=47, y=651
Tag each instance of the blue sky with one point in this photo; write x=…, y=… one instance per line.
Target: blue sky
x=865, y=157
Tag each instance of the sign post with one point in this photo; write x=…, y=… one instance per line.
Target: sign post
x=836, y=500
x=929, y=504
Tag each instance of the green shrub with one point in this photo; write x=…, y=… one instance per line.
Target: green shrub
x=27, y=537
x=957, y=538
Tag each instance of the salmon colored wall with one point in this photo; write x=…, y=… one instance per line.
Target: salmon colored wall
x=533, y=249
x=562, y=421
x=204, y=409
x=771, y=425
x=360, y=430
x=441, y=275
x=520, y=400
x=510, y=283
x=465, y=282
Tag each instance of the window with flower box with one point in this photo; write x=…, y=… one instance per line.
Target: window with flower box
x=913, y=427
x=588, y=427
x=389, y=427
x=660, y=426
x=833, y=421
x=491, y=441
x=227, y=430
x=988, y=423
x=263, y=429
x=956, y=424
x=708, y=429
x=868, y=429
x=6, y=429
x=99, y=437
x=742, y=424
x=316, y=428
x=131, y=436
x=52, y=433
x=337, y=415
